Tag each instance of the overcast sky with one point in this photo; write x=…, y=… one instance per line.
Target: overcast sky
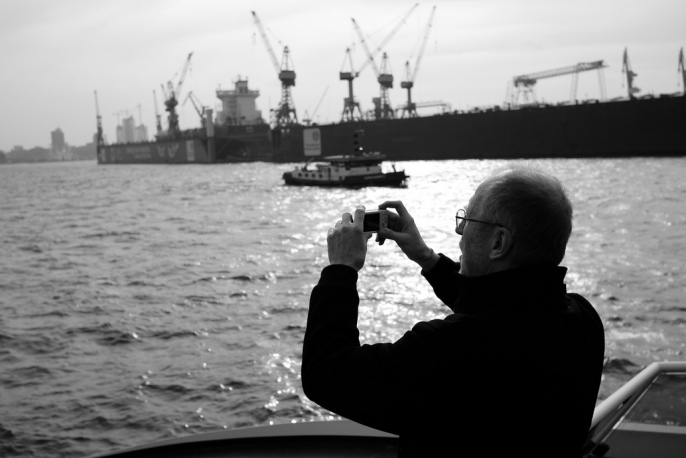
x=55, y=53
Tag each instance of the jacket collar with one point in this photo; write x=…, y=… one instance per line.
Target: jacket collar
x=530, y=287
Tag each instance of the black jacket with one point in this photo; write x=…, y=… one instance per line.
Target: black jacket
x=515, y=369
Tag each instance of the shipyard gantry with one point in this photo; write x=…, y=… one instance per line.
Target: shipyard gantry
x=523, y=85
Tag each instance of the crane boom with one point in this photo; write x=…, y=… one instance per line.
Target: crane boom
x=370, y=56
x=423, y=45
x=411, y=108
x=385, y=41
x=258, y=23
x=177, y=91
x=320, y=102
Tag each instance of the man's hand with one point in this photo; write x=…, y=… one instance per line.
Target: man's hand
x=405, y=233
x=346, y=242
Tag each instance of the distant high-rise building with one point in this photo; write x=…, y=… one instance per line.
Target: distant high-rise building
x=57, y=139
x=128, y=131
x=59, y=149
x=140, y=133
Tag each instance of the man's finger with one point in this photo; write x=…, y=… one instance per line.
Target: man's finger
x=395, y=204
x=385, y=233
x=359, y=216
x=393, y=221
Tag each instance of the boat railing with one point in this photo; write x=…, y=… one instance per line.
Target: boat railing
x=617, y=406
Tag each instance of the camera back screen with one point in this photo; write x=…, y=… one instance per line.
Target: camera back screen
x=371, y=222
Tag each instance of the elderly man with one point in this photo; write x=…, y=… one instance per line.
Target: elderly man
x=514, y=370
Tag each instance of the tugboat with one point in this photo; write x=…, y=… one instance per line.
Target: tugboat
x=348, y=170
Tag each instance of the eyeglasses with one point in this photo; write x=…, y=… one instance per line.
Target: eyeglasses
x=461, y=219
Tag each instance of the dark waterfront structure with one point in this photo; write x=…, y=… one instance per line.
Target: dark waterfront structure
x=639, y=127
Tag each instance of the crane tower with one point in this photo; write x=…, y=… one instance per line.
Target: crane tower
x=285, y=114
x=351, y=107
x=382, y=105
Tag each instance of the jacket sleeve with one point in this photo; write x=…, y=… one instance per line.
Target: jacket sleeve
x=442, y=279
x=370, y=384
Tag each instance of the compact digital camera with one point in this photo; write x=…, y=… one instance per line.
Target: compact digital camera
x=375, y=220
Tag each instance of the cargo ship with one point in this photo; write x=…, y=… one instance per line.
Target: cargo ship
x=634, y=126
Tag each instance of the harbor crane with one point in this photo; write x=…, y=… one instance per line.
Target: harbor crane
x=199, y=107
x=382, y=104
x=285, y=114
x=411, y=108
x=99, y=135
x=171, y=98
x=682, y=69
x=524, y=84
x=351, y=108
x=630, y=75
x=158, y=118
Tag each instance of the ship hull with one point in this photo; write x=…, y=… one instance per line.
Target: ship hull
x=248, y=143
x=390, y=179
x=645, y=127
x=642, y=127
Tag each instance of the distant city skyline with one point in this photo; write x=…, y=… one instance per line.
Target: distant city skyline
x=56, y=54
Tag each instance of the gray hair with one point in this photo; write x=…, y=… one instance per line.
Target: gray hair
x=534, y=206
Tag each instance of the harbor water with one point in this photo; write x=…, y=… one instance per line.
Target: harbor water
x=143, y=302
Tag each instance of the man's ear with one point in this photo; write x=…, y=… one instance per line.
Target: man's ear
x=501, y=244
